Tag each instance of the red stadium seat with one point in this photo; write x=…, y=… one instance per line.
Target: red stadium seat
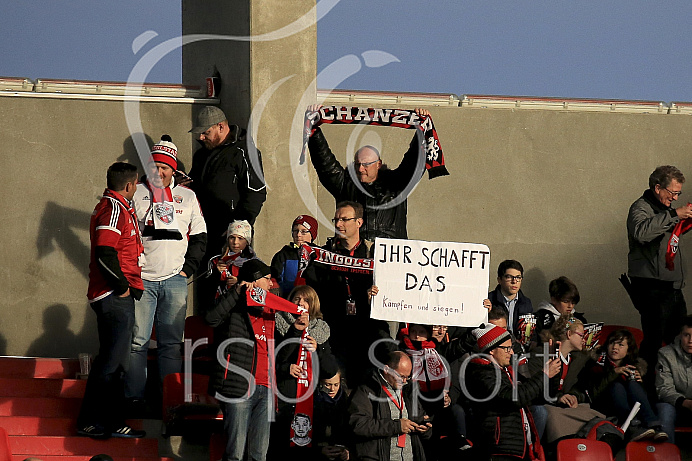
x=608, y=329
x=644, y=451
x=583, y=450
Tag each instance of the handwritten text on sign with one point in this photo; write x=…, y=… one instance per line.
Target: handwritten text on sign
x=435, y=283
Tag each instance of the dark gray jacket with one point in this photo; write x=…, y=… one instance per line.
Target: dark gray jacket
x=649, y=226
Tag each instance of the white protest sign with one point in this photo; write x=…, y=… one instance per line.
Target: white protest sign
x=434, y=283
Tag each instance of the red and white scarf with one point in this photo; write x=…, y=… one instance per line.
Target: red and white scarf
x=159, y=219
x=680, y=228
x=400, y=118
x=429, y=370
x=335, y=261
x=304, y=394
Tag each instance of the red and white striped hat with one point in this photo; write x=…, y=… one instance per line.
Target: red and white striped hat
x=166, y=152
x=489, y=336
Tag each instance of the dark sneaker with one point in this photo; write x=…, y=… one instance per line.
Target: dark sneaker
x=95, y=431
x=639, y=433
x=128, y=433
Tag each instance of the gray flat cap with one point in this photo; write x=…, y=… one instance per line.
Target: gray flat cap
x=207, y=117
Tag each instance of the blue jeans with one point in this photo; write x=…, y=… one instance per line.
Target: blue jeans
x=163, y=304
x=103, y=397
x=667, y=413
x=246, y=421
x=540, y=418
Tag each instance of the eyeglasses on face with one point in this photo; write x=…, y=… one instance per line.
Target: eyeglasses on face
x=366, y=164
x=337, y=220
x=439, y=327
x=300, y=231
x=581, y=335
x=674, y=194
x=507, y=349
x=512, y=278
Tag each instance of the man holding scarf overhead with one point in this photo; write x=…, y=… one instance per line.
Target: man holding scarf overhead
x=174, y=235
x=382, y=192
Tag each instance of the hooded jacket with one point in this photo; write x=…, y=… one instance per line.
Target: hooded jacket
x=674, y=374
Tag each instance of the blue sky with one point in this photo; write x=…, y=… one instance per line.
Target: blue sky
x=595, y=49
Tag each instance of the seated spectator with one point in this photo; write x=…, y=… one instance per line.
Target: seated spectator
x=508, y=294
x=568, y=411
x=564, y=297
x=502, y=419
x=288, y=369
x=330, y=433
x=285, y=262
x=233, y=255
x=674, y=381
x=386, y=422
x=614, y=382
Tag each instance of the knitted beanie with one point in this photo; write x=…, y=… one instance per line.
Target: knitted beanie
x=308, y=222
x=165, y=151
x=490, y=336
x=242, y=228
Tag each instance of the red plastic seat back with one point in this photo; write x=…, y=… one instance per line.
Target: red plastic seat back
x=5, y=453
x=583, y=450
x=608, y=329
x=196, y=328
x=645, y=451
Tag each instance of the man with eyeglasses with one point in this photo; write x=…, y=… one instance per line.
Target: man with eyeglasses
x=387, y=423
x=369, y=182
x=656, y=290
x=504, y=421
x=344, y=295
x=508, y=294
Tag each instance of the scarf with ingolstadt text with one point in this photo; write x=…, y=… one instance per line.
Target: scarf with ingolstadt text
x=159, y=219
x=400, y=118
x=335, y=261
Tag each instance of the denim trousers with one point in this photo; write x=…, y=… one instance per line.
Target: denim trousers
x=103, y=397
x=163, y=305
x=246, y=422
x=620, y=397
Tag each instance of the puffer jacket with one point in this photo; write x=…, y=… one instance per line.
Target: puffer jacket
x=230, y=319
x=500, y=422
x=649, y=226
x=674, y=374
x=389, y=222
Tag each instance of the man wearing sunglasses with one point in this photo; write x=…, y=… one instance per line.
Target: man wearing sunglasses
x=656, y=288
x=369, y=182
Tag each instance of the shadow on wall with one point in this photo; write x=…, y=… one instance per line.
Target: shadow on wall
x=535, y=286
x=57, y=228
x=57, y=339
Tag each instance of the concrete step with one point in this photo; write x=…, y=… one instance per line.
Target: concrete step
x=39, y=406
x=46, y=387
x=41, y=446
x=36, y=425
x=36, y=367
x=88, y=457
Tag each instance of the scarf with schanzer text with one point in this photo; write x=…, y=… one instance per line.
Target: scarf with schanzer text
x=680, y=228
x=159, y=219
x=399, y=118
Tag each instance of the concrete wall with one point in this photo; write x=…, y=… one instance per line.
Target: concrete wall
x=548, y=188
x=55, y=156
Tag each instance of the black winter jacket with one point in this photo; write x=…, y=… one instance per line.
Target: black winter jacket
x=389, y=222
x=372, y=424
x=227, y=185
x=230, y=319
x=499, y=420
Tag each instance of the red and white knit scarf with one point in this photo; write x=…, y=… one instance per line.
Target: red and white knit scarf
x=680, y=228
x=400, y=118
